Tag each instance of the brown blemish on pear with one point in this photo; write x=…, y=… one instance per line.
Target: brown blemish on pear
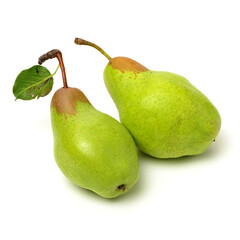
x=65, y=100
x=126, y=64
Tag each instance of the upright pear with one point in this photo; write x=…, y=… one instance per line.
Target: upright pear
x=92, y=149
x=166, y=115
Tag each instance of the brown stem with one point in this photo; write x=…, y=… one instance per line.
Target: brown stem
x=55, y=53
x=80, y=41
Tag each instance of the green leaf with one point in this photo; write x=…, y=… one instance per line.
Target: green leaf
x=34, y=82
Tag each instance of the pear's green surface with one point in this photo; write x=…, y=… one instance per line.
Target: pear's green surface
x=92, y=149
x=166, y=115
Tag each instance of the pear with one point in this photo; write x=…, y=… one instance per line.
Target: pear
x=92, y=149
x=166, y=115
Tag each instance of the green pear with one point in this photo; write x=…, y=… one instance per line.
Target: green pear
x=92, y=149
x=166, y=115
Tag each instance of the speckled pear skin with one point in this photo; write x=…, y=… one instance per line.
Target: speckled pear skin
x=92, y=149
x=166, y=115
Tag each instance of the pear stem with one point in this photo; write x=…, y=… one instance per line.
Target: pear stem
x=55, y=53
x=80, y=41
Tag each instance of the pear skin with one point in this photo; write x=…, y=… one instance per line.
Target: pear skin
x=92, y=149
x=167, y=116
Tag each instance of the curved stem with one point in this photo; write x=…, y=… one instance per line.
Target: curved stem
x=55, y=53
x=80, y=41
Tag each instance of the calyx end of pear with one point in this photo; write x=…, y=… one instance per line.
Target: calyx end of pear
x=122, y=187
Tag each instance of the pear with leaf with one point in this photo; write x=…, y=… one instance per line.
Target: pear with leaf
x=167, y=116
x=92, y=149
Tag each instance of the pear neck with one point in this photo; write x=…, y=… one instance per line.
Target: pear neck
x=66, y=100
x=125, y=64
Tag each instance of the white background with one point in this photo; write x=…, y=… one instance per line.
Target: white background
x=188, y=198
